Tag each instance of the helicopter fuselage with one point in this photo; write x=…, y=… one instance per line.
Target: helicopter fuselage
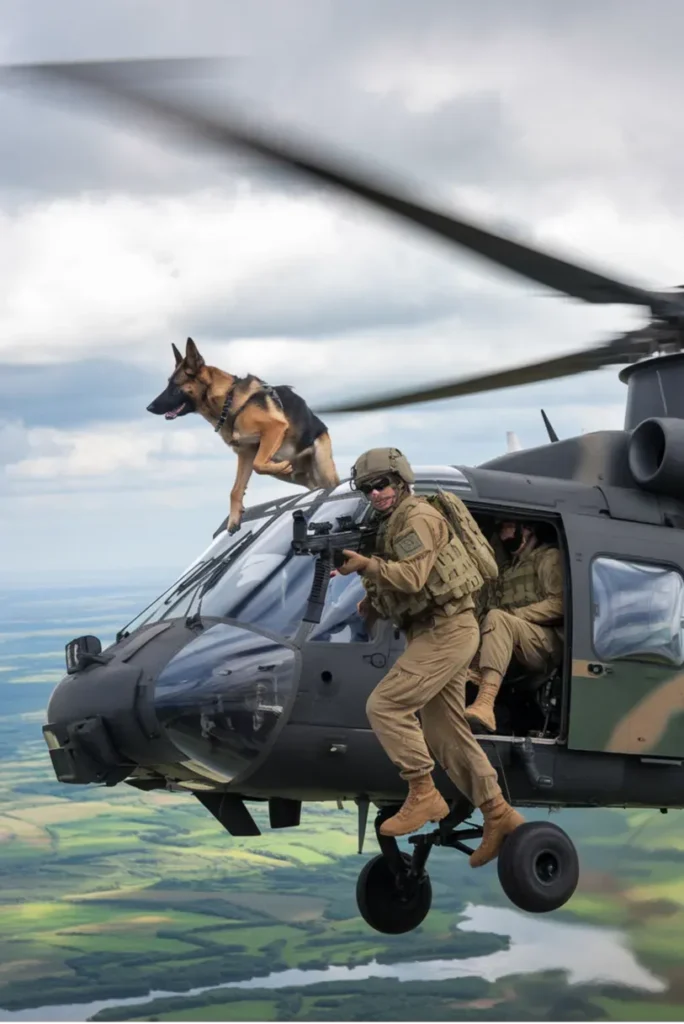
x=224, y=689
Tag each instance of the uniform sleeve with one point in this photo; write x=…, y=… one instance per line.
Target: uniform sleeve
x=416, y=548
x=548, y=611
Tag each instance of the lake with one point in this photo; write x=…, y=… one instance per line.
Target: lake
x=585, y=952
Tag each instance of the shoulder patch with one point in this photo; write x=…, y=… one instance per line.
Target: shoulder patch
x=409, y=543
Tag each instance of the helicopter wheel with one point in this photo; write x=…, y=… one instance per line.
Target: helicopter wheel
x=388, y=906
x=538, y=867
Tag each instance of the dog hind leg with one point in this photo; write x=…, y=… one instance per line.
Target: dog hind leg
x=324, y=470
x=303, y=470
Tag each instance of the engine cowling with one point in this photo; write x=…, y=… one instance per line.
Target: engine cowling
x=656, y=456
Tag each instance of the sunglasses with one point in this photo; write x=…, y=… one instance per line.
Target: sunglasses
x=375, y=485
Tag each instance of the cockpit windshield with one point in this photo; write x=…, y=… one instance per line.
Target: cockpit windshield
x=254, y=575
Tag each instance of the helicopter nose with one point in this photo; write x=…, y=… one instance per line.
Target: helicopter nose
x=101, y=722
x=166, y=695
x=221, y=697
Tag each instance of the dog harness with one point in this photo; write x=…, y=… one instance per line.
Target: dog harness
x=230, y=417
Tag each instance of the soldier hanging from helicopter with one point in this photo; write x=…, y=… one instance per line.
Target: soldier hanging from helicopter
x=521, y=614
x=425, y=570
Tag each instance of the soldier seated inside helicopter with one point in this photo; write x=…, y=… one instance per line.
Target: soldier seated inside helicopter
x=521, y=625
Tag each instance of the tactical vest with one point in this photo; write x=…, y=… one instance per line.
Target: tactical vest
x=454, y=575
x=519, y=583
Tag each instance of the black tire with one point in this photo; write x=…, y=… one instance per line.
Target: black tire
x=383, y=906
x=538, y=867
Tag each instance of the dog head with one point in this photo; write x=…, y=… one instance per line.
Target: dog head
x=186, y=386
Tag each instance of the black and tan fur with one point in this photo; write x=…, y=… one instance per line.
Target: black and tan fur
x=270, y=429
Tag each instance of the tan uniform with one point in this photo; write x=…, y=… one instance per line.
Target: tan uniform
x=486, y=598
x=527, y=623
x=429, y=592
x=429, y=563
x=530, y=613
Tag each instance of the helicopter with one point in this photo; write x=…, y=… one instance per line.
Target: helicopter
x=247, y=679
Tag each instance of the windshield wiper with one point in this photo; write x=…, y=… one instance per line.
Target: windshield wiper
x=197, y=573
x=206, y=568
x=215, y=570
x=173, y=591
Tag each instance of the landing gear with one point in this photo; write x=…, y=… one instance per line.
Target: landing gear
x=393, y=891
x=538, y=870
x=538, y=867
x=393, y=903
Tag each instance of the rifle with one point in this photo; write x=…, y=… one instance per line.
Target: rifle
x=328, y=546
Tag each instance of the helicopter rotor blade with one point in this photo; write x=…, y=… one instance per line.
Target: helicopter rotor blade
x=623, y=349
x=536, y=265
x=146, y=70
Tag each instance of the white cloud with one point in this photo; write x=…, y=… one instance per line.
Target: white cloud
x=326, y=294
x=124, y=277
x=103, y=452
x=14, y=442
x=95, y=273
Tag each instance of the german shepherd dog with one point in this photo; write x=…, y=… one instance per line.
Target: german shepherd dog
x=270, y=429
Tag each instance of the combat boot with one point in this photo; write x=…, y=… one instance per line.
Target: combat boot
x=481, y=711
x=424, y=803
x=500, y=819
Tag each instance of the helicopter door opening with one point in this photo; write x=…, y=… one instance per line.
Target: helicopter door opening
x=343, y=657
x=530, y=700
x=627, y=686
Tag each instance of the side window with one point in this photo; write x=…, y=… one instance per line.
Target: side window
x=340, y=622
x=638, y=611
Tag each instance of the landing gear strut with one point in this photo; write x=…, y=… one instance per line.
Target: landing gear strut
x=538, y=870
x=393, y=891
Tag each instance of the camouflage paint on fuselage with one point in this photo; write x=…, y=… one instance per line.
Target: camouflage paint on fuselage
x=630, y=708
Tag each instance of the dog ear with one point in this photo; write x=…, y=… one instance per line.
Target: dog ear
x=176, y=354
x=193, y=359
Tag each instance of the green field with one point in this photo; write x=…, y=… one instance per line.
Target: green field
x=110, y=893
x=107, y=894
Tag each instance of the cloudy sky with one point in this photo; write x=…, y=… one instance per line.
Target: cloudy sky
x=555, y=121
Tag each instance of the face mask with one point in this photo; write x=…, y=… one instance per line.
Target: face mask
x=511, y=544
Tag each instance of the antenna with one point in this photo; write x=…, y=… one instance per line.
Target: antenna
x=553, y=436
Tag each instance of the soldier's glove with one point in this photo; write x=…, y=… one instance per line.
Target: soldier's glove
x=354, y=563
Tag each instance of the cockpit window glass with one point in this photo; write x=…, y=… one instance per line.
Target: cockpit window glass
x=344, y=488
x=356, y=506
x=269, y=585
x=308, y=498
x=176, y=599
x=340, y=622
x=277, y=592
x=252, y=575
x=259, y=567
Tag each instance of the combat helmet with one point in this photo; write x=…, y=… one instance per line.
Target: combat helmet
x=379, y=461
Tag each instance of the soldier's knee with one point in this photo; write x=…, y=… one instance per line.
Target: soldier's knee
x=495, y=616
x=493, y=619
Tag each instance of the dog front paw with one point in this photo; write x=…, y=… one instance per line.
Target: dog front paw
x=233, y=526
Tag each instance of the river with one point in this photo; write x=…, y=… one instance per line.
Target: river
x=587, y=954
